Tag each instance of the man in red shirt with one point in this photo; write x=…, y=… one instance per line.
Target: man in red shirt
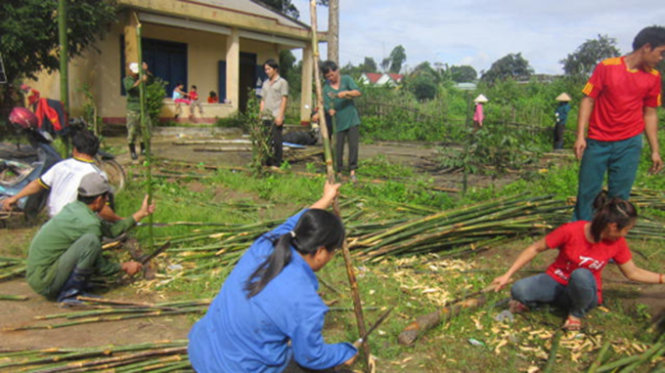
x=621, y=100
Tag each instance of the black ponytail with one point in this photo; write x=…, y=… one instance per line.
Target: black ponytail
x=314, y=229
x=610, y=210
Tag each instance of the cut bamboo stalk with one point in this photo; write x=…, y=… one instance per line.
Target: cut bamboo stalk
x=355, y=294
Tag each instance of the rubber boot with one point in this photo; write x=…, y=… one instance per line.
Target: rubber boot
x=75, y=285
x=132, y=151
x=142, y=149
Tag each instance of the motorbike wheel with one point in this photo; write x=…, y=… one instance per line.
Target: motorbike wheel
x=115, y=173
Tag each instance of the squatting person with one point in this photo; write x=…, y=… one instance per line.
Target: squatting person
x=67, y=250
x=268, y=316
x=574, y=280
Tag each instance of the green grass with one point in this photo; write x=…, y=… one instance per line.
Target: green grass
x=416, y=285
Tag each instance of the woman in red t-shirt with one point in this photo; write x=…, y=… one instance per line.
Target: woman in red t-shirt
x=573, y=281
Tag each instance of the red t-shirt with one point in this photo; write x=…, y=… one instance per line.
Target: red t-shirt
x=575, y=251
x=620, y=96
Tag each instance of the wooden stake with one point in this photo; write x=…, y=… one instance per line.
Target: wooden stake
x=330, y=172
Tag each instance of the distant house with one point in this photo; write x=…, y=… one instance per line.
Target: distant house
x=381, y=79
x=217, y=45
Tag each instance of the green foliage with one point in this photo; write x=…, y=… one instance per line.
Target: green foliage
x=463, y=73
x=258, y=134
x=422, y=86
x=510, y=66
x=585, y=58
x=282, y=6
x=29, y=32
x=29, y=37
x=492, y=150
x=287, y=64
x=90, y=110
x=236, y=120
x=154, y=98
x=396, y=60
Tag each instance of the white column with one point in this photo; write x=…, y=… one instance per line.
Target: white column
x=306, y=85
x=233, y=68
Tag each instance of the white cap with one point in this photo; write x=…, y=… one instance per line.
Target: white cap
x=134, y=67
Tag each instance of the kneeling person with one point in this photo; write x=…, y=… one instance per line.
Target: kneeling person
x=67, y=250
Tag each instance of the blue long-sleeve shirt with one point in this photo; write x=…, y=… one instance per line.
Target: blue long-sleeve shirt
x=238, y=334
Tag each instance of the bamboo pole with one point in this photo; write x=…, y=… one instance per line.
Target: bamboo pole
x=360, y=320
x=145, y=132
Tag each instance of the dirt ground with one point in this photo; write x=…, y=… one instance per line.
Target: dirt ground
x=13, y=313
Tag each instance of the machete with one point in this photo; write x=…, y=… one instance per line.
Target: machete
x=378, y=322
x=159, y=250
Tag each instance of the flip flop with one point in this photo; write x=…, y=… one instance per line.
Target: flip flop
x=515, y=306
x=572, y=324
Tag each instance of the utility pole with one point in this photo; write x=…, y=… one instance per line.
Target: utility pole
x=62, y=37
x=333, y=31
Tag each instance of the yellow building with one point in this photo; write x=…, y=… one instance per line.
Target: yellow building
x=217, y=45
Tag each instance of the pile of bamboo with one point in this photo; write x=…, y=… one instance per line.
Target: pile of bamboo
x=165, y=356
x=11, y=267
x=641, y=362
x=483, y=224
x=104, y=310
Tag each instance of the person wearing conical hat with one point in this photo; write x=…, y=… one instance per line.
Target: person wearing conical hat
x=560, y=118
x=621, y=102
x=478, y=115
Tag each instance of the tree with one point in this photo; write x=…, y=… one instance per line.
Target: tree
x=385, y=64
x=286, y=63
x=29, y=37
x=585, y=58
x=397, y=59
x=510, y=66
x=422, y=81
x=463, y=73
x=368, y=66
x=282, y=6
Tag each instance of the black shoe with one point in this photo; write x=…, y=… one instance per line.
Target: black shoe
x=132, y=152
x=74, y=286
x=142, y=149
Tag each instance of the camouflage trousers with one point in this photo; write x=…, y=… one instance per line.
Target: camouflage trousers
x=134, y=126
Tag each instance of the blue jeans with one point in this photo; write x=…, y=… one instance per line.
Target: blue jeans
x=619, y=159
x=579, y=297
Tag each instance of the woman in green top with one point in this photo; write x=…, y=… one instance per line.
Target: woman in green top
x=338, y=93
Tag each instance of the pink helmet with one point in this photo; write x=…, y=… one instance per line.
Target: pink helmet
x=23, y=117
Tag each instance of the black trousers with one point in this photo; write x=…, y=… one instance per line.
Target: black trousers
x=559, y=129
x=275, y=142
x=353, y=136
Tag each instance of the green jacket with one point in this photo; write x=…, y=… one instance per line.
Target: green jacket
x=59, y=233
x=133, y=94
x=346, y=114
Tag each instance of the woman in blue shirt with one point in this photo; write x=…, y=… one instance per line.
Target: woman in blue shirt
x=268, y=312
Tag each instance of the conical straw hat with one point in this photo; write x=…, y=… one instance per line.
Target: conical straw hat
x=481, y=98
x=563, y=97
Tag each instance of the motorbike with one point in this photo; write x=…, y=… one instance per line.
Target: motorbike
x=22, y=163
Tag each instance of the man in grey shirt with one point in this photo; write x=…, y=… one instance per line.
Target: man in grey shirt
x=274, y=95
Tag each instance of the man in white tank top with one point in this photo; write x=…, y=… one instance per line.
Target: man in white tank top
x=62, y=179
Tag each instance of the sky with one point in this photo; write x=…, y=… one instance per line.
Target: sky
x=477, y=33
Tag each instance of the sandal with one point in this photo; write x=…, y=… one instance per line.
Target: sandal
x=515, y=306
x=572, y=324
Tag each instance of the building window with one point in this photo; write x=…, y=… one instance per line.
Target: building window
x=166, y=60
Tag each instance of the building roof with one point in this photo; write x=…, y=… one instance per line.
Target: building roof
x=396, y=77
x=253, y=8
x=373, y=77
x=245, y=15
